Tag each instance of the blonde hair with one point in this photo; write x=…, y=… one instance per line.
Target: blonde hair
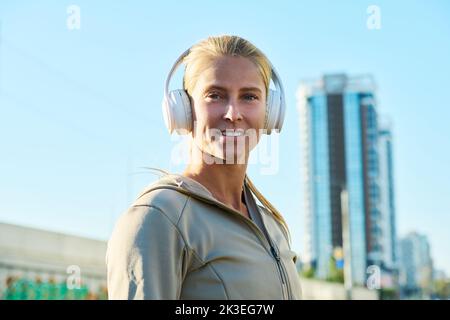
x=202, y=54
x=205, y=51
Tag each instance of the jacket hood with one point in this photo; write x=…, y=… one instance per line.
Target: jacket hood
x=178, y=181
x=184, y=185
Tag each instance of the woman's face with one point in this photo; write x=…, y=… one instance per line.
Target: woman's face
x=229, y=100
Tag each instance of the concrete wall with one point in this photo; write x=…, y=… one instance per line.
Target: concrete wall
x=27, y=252
x=321, y=290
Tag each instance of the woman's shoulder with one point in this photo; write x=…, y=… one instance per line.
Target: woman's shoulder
x=154, y=212
x=167, y=201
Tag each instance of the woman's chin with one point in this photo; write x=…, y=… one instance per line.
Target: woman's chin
x=233, y=155
x=224, y=153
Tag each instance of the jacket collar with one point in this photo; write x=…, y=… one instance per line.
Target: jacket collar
x=187, y=184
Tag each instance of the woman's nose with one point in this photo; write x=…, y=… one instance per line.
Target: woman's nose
x=232, y=111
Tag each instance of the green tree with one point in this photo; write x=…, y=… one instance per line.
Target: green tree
x=442, y=289
x=308, y=272
x=335, y=274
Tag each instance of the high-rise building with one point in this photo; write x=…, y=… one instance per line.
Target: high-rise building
x=416, y=265
x=389, y=254
x=340, y=138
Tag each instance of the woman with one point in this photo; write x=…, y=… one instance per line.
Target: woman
x=201, y=234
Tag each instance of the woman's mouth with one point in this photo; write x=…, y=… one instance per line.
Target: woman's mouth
x=233, y=133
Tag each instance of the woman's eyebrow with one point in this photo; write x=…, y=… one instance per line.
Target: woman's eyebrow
x=216, y=87
x=251, y=89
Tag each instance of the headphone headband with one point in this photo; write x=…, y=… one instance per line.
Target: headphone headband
x=172, y=70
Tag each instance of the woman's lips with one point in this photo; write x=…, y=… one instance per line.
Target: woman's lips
x=233, y=132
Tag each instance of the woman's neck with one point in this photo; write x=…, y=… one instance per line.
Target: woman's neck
x=224, y=181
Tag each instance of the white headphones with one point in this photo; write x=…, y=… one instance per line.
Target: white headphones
x=177, y=107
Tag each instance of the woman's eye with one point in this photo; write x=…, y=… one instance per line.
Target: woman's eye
x=250, y=97
x=213, y=96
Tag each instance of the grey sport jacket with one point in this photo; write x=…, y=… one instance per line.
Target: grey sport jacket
x=178, y=242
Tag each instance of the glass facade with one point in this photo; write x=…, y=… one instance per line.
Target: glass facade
x=355, y=185
x=372, y=189
x=387, y=207
x=319, y=184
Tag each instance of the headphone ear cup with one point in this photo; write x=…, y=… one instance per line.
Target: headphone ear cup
x=177, y=112
x=272, y=110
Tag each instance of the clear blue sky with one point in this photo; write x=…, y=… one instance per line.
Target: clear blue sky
x=80, y=110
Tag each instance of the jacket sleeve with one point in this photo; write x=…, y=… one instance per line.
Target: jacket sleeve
x=146, y=256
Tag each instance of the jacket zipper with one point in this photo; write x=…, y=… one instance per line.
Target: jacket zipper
x=262, y=238
x=283, y=283
x=284, y=272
